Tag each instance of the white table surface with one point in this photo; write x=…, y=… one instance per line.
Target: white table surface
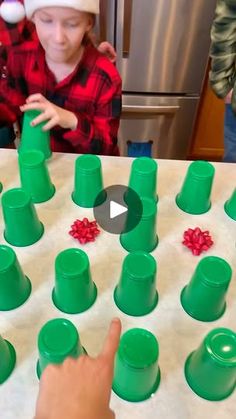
x=177, y=333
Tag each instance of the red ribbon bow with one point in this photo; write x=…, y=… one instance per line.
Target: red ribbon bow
x=197, y=241
x=84, y=231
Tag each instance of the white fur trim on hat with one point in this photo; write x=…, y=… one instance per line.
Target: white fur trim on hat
x=90, y=6
x=12, y=11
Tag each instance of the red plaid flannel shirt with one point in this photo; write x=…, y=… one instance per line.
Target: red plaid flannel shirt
x=92, y=92
x=14, y=34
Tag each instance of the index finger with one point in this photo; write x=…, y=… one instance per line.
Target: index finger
x=112, y=340
x=36, y=97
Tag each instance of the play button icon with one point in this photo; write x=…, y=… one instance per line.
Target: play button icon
x=121, y=211
x=116, y=209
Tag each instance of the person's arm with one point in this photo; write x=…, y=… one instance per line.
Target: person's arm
x=223, y=48
x=98, y=132
x=80, y=389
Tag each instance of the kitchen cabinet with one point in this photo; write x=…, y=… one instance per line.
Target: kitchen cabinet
x=208, y=136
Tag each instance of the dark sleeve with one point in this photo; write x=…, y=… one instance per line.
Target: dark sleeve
x=223, y=48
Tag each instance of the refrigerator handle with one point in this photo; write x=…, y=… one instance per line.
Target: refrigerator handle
x=159, y=110
x=103, y=20
x=128, y=7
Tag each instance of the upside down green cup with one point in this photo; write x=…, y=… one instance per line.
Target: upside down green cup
x=88, y=181
x=204, y=297
x=8, y=359
x=143, y=237
x=15, y=287
x=57, y=340
x=34, y=176
x=136, y=293
x=22, y=226
x=34, y=138
x=74, y=290
x=136, y=371
x=194, y=197
x=211, y=369
x=230, y=206
x=143, y=177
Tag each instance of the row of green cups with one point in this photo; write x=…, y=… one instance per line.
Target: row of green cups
x=204, y=298
x=194, y=197
x=210, y=370
x=22, y=227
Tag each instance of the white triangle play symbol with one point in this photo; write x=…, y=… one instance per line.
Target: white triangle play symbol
x=116, y=209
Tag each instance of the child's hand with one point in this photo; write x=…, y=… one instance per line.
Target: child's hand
x=228, y=97
x=108, y=50
x=54, y=115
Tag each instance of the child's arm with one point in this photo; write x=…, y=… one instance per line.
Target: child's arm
x=223, y=48
x=98, y=133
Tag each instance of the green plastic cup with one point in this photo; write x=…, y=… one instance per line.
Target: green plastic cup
x=194, y=197
x=0, y=187
x=22, y=226
x=34, y=138
x=88, y=181
x=136, y=372
x=143, y=177
x=143, y=237
x=136, y=293
x=74, y=290
x=34, y=176
x=15, y=287
x=204, y=297
x=230, y=206
x=57, y=340
x=8, y=359
x=211, y=370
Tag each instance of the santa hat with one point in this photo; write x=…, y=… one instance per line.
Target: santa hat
x=13, y=11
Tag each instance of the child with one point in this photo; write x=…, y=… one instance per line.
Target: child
x=12, y=33
x=222, y=75
x=76, y=89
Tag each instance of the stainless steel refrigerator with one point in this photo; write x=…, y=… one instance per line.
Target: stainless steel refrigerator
x=162, y=54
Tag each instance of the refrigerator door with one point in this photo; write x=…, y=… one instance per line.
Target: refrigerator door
x=105, y=22
x=163, y=45
x=166, y=121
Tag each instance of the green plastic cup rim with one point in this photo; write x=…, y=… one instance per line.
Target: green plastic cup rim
x=57, y=339
x=195, y=313
x=12, y=363
x=88, y=164
x=67, y=259
x=31, y=159
x=16, y=198
x=203, y=166
x=131, y=341
x=147, y=310
x=144, y=166
x=197, y=389
x=185, y=208
x=75, y=310
x=138, y=398
x=132, y=269
x=29, y=243
x=222, y=271
x=228, y=211
x=7, y=258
